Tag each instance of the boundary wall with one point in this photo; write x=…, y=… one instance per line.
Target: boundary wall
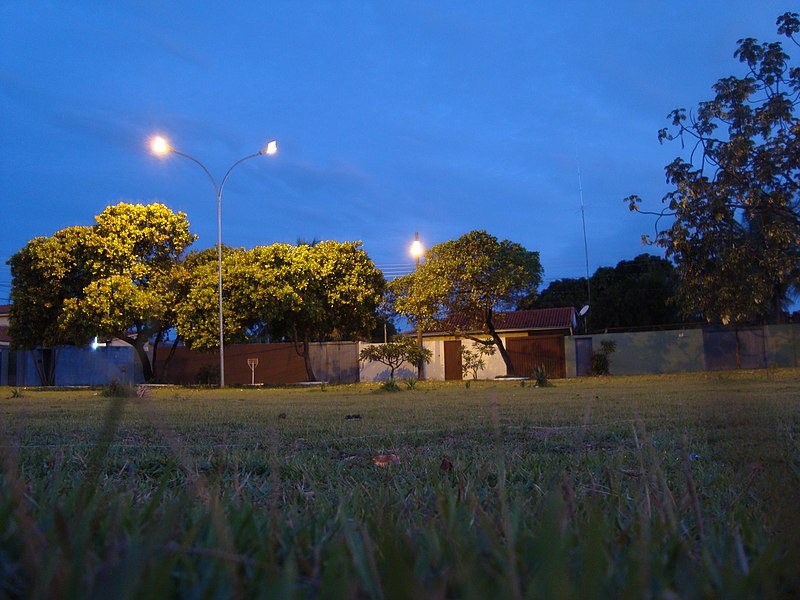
x=637, y=353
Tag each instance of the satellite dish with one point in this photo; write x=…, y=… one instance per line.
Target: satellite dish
x=584, y=310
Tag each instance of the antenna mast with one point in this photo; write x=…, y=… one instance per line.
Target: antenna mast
x=585, y=244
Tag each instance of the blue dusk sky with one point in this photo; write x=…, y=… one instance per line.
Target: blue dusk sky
x=391, y=117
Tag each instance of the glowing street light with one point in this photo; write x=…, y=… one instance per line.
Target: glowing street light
x=416, y=248
x=416, y=251
x=160, y=146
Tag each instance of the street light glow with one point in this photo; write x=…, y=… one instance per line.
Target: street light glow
x=271, y=148
x=416, y=248
x=160, y=146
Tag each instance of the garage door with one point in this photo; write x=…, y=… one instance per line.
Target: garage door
x=529, y=352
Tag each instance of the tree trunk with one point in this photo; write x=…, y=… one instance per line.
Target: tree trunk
x=738, y=350
x=154, y=364
x=307, y=361
x=165, y=370
x=45, y=365
x=500, y=346
x=147, y=367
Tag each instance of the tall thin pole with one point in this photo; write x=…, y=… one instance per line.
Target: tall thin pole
x=165, y=148
x=219, y=289
x=585, y=249
x=420, y=364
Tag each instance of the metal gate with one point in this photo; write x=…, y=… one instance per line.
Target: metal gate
x=583, y=356
x=527, y=353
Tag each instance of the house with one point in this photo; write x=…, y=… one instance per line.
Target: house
x=531, y=337
x=6, y=363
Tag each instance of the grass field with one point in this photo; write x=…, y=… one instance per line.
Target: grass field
x=642, y=487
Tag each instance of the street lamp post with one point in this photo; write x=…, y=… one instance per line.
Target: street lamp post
x=161, y=147
x=416, y=252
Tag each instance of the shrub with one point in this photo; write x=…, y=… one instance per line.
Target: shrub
x=473, y=360
x=600, y=362
x=118, y=389
x=208, y=375
x=395, y=353
x=390, y=386
x=540, y=375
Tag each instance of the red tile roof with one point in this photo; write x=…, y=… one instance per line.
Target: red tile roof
x=520, y=320
x=543, y=318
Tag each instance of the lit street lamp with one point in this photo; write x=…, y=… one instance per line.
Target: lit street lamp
x=416, y=251
x=161, y=147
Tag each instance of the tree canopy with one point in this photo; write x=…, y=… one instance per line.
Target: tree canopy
x=462, y=283
x=735, y=207
x=46, y=273
x=305, y=293
x=119, y=278
x=569, y=291
x=635, y=293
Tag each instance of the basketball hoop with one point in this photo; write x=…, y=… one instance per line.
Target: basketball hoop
x=252, y=363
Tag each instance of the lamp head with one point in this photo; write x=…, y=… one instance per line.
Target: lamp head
x=416, y=249
x=271, y=148
x=160, y=146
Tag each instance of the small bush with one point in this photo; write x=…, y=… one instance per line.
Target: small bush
x=411, y=382
x=600, y=362
x=16, y=393
x=208, y=375
x=473, y=361
x=117, y=389
x=540, y=375
x=390, y=386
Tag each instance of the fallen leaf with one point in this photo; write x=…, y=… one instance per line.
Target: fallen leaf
x=384, y=460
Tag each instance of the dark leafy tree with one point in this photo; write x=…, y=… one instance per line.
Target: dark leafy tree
x=636, y=293
x=558, y=294
x=734, y=213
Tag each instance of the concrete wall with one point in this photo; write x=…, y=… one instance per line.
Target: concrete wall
x=783, y=345
x=434, y=370
x=335, y=362
x=651, y=352
x=680, y=351
x=79, y=366
x=84, y=366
